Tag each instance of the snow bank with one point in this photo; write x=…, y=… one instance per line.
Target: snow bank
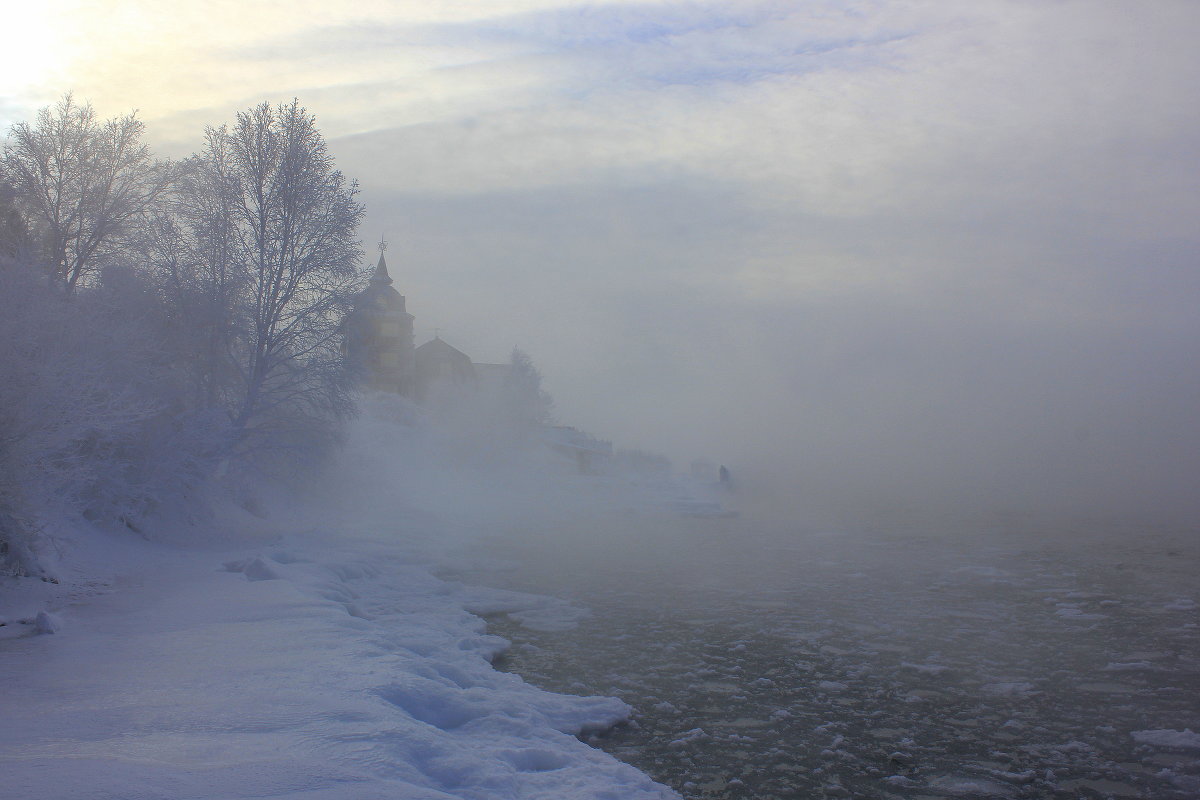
x=328, y=660
x=320, y=668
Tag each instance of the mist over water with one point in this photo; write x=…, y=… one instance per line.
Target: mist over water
x=864, y=367
x=777, y=663
x=776, y=655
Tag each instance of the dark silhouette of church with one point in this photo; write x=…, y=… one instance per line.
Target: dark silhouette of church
x=379, y=348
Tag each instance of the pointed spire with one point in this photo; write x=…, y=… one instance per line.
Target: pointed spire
x=381, y=276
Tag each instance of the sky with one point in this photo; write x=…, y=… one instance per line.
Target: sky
x=911, y=257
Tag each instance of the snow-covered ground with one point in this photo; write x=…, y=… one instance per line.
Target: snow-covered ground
x=308, y=664
x=313, y=652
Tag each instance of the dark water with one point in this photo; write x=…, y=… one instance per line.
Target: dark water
x=769, y=663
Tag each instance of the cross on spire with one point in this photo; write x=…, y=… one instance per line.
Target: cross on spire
x=381, y=274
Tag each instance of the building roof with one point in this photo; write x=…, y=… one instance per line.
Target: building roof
x=380, y=295
x=437, y=348
x=381, y=277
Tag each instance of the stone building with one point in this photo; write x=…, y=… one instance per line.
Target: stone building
x=442, y=372
x=378, y=344
x=378, y=336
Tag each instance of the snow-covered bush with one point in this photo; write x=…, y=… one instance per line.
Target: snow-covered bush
x=90, y=422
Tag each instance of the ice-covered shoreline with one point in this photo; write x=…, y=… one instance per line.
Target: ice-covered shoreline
x=322, y=664
x=313, y=647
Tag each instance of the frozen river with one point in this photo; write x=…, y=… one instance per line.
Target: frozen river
x=765, y=662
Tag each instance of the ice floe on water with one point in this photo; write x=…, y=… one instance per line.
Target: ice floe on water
x=1177, y=740
x=766, y=667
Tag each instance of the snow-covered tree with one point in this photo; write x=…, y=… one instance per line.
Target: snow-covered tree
x=81, y=186
x=268, y=228
x=523, y=385
x=190, y=319
x=188, y=247
x=16, y=245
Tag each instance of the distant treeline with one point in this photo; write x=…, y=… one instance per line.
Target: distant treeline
x=165, y=323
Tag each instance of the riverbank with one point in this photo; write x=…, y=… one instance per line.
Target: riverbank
x=290, y=663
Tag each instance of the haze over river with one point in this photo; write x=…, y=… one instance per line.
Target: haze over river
x=765, y=661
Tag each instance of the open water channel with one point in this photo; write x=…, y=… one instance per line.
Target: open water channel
x=767, y=662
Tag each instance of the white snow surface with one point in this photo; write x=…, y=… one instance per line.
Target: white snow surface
x=313, y=652
x=314, y=665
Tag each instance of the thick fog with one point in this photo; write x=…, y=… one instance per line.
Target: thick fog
x=886, y=261
x=1006, y=383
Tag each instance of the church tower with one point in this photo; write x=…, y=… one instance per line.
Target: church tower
x=378, y=340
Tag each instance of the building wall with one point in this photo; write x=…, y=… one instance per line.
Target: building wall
x=379, y=346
